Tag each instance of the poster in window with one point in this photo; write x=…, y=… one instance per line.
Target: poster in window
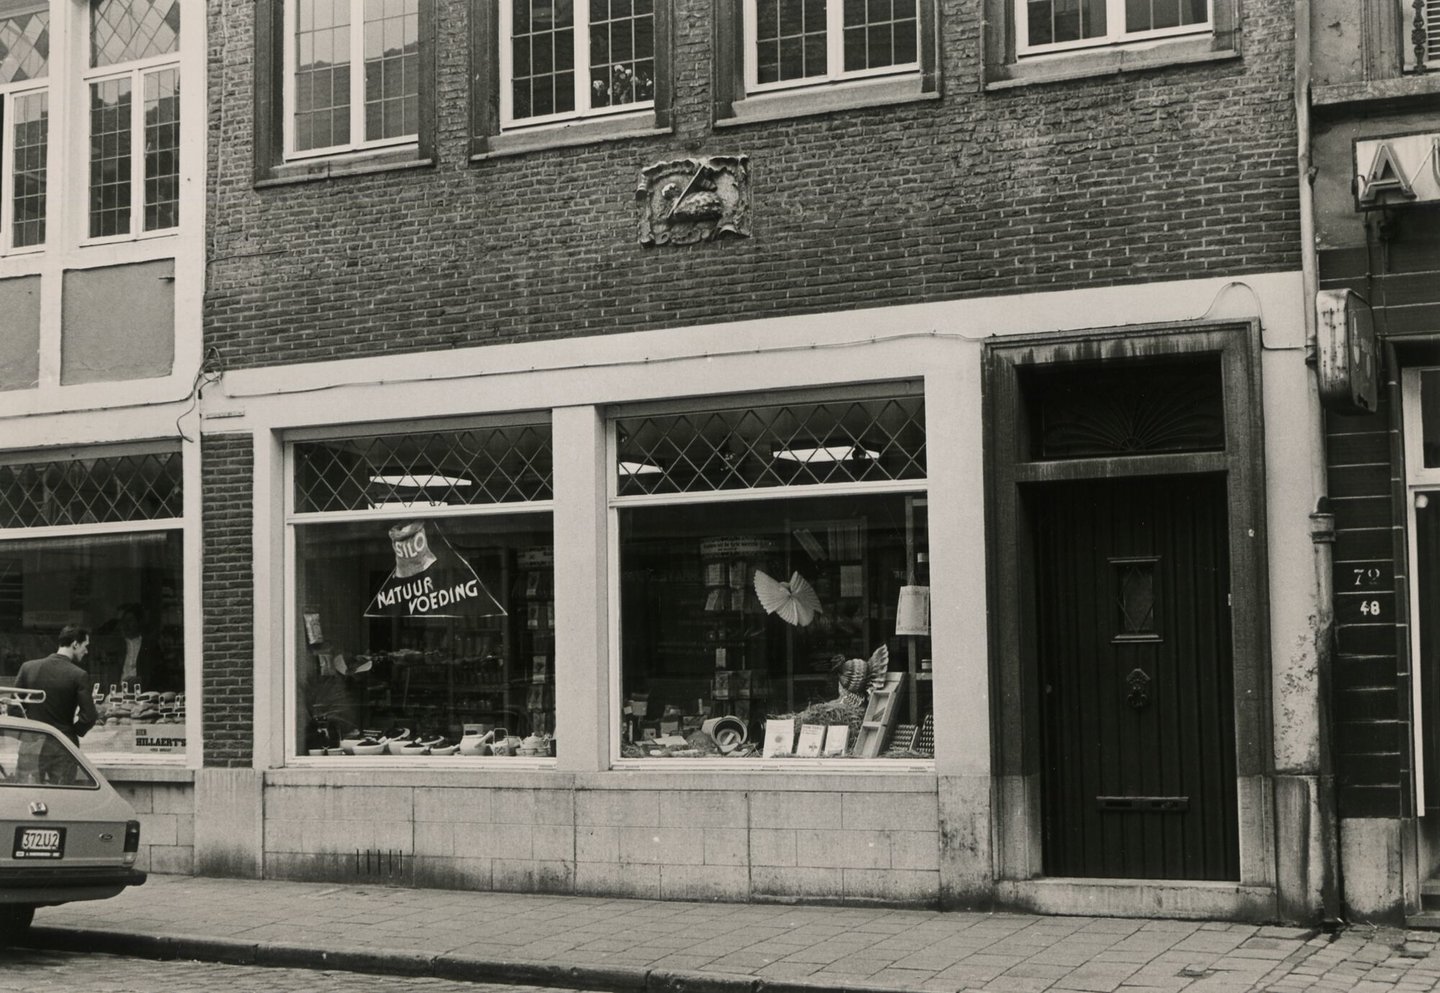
x=430, y=579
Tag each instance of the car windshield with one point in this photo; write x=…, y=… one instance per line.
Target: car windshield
x=30, y=757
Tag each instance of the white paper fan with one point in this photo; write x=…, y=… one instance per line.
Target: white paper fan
x=795, y=601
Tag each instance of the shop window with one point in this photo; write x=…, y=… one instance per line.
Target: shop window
x=133, y=86
x=24, y=123
x=343, y=78
x=122, y=579
x=424, y=611
x=789, y=626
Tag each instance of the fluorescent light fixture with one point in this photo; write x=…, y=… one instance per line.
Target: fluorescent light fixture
x=826, y=453
x=410, y=482
x=629, y=467
x=406, y=504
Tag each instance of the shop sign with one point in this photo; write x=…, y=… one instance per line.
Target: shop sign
x=1347, y=355
x=1398, y=170
x=430, y=579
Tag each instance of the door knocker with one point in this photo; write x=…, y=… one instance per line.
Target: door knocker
x=1139, y=695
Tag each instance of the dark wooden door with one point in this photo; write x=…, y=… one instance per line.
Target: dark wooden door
x=1135, y=672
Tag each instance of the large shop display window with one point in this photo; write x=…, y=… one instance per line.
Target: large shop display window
x=775, y=581
x=424, y=611
x=97, y=542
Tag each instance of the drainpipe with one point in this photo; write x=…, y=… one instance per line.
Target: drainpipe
x=1322, y=522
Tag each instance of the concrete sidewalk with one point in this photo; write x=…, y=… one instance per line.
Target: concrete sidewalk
x=615, y=944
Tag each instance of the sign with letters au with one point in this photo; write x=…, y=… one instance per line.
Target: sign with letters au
x=1399, y=170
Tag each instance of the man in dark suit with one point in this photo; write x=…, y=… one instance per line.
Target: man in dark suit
x=66, y=685
x=126, y=651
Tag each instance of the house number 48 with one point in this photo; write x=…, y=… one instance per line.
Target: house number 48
x=1370, y=608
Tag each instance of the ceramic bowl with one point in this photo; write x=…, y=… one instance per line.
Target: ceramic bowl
x=375, y=749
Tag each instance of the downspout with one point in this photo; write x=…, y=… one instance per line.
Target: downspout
x=1322, y=522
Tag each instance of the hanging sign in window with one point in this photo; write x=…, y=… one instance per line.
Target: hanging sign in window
x=430, y=579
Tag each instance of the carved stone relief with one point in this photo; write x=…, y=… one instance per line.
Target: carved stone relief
x=690, y=200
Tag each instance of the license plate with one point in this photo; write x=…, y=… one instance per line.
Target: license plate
x=40, y=843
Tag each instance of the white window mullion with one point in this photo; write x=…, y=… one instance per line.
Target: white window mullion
x=834, y=39
x=506, y=44
x=582, y=56
x=287, y=80
x=137, y=152
x=357, y=73
x=7, y=171
x=1115, y=26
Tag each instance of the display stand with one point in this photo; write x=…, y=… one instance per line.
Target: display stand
x=879, y=719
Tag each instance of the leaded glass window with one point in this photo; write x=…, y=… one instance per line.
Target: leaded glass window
x=134, y=83
x=769, y=445
x=24, y=123
x=465, y=467
x=91, y=490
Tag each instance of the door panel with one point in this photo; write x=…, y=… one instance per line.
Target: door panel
x=1135, y=668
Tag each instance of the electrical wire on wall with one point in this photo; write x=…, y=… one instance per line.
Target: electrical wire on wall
x=211, y=369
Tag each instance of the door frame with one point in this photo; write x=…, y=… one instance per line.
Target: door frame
x=1016, y=710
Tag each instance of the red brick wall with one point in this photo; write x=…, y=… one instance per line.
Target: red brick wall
x=1162, y=174
x=227, y=465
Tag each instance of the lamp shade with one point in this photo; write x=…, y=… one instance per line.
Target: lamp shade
x=912, y=612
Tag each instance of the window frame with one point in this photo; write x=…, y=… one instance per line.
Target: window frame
x=490, y=135
x=581, y=68
x=271, y=163
x=737, y=102
x=10, y=93
x=135, y=73
x=918, y=489
x=357, y=87
x=834, y=52
x=177, y=525
x=1004, y=68
x=293, y=754
x=1114, y=36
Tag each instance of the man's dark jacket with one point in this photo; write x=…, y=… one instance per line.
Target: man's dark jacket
x=67, y=688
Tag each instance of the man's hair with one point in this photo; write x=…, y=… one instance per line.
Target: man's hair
x=71, y=634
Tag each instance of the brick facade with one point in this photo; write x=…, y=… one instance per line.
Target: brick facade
x=228, y=684
x=1156, y=175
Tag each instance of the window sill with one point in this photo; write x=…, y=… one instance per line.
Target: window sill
x=1062, y=66
x=118, y=770
x=520, y=142
x=826, y=99
x=355, y=164
x=1376, y=94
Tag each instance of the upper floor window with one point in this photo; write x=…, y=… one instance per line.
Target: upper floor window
x=563, y=59
x=352, y=74
x=795, y=42
x=132, y=83
x=24, y=122
x=1059, y=25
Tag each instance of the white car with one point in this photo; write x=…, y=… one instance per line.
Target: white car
x=67, y=834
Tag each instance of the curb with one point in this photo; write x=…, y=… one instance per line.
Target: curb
x=399, y=962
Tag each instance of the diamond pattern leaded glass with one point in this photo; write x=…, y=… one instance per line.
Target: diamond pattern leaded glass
x=793, y=444
x=126, y=30
x=470, y=467
x=1137, y=597
x=107, y=490
x=24, y=46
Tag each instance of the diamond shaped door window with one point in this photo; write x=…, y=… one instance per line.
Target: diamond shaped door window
x=1135, y=599
x=466, y=467
x=830, y=441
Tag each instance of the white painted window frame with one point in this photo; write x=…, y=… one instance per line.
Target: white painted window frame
x=357, y=90
x=834, y=53
x=919, y=488
x=1418, y=480
x=9, y=93
x=292, y=754
x=135, y=72
x=581, y=71
x=1115, y=36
